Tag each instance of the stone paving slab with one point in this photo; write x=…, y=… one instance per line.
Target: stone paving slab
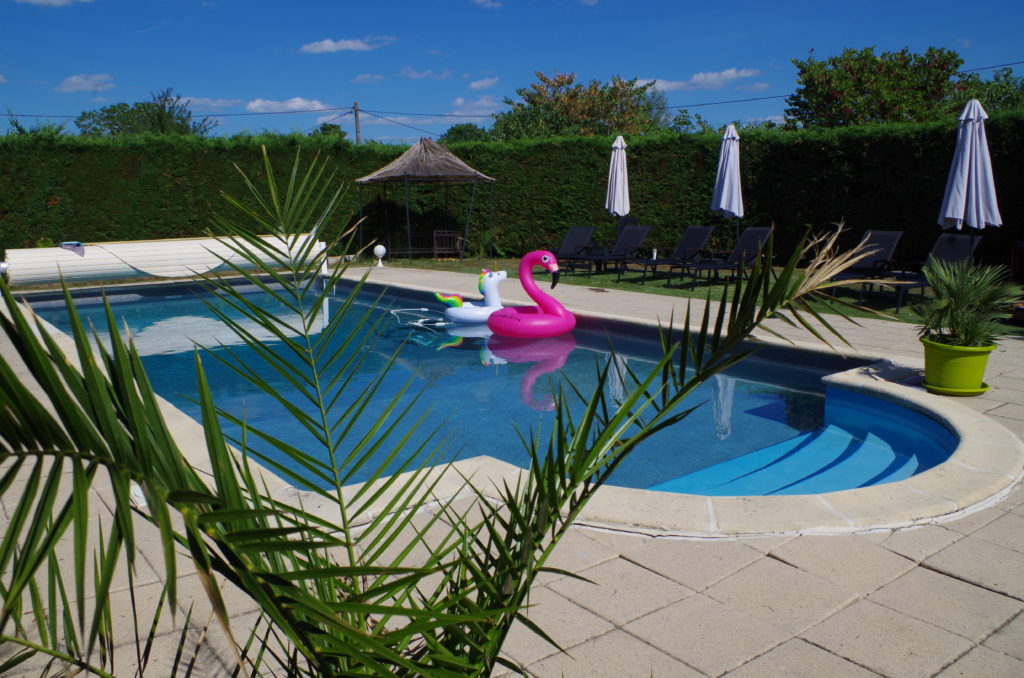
x=888, y=642
x=799, y=659
x=613, y=655
x=983, y=563
x=620, y=590
x=708, y=635
x=951, y=604
x=984, y=663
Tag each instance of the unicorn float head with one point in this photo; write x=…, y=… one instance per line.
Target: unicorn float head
x=461, y=311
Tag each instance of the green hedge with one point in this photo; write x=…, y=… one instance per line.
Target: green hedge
x=884, y=176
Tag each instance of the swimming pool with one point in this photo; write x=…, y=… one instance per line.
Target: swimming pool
x=767, y=426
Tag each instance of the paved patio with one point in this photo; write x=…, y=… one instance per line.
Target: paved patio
x=944, y=597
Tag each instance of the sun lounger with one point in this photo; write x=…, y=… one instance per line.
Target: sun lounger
x=948, y=247
x=687, y=251
x=577, y=242
x=628, y=245
x=747, y=248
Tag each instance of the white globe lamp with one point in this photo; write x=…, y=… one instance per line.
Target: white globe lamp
x=379, y=251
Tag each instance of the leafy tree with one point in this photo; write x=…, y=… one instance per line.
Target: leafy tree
x=40, y=129
x=685, y=122
x=860, y=87
x=166, y=113
x=464, y=131
x=1004, y=92
x=559, y=106
x=329, y=129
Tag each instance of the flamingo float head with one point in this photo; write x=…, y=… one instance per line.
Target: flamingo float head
x=542, y=258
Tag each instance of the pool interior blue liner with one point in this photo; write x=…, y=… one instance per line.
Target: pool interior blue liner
x=766, y=426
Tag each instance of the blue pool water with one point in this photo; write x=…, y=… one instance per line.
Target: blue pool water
x=767, y=426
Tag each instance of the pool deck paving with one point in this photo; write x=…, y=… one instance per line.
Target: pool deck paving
x=924, y=579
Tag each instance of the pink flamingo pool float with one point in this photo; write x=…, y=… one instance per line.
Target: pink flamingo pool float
x=548, y=318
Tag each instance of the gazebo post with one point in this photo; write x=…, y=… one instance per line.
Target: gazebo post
x=469, y=218
x=360, y=247
x=408, y=222
x=490, y=224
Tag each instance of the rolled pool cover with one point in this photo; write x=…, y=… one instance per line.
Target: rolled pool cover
x=176, y=258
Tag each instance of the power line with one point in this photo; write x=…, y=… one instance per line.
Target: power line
x=309, y=110
x=731, y=101
x=433, y=134
x=431, y=115
x=986, y=68
x=347, y=109
x=328, y=121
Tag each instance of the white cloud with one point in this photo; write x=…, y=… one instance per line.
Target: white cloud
x=708, y=80
x=589, y=3
x=2, y=79
x=203, y=102
x=487, y=4
x=348, y=45
x=419, y=75
x=485, y=105
x=367, y=77
x=51, y=3
x=754, y=87
x=293, y=104
x=486, y=83
x=966, y=43
x=97, y=82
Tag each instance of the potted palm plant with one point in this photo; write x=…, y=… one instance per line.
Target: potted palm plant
x=959, y=324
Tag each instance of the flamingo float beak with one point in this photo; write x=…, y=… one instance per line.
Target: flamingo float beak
x=554, y=277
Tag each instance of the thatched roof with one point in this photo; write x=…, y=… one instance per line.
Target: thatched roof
x=425, y=161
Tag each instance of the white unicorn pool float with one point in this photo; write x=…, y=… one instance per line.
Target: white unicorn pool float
x=461, y=311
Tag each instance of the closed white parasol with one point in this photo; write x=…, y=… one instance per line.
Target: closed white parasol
x=617, y=200
x=970, y=196
x=728, y=196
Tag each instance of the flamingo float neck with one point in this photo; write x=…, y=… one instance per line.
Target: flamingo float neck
x=547, y=303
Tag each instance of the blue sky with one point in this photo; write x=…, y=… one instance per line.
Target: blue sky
x=422, y=66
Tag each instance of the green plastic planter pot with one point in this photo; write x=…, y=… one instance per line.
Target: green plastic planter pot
x=955, y=370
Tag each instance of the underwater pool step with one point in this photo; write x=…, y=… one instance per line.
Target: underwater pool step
x=821, y=461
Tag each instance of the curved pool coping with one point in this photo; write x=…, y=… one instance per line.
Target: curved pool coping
x=986, y=464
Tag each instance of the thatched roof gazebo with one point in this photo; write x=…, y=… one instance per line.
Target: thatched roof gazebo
x=425, y=162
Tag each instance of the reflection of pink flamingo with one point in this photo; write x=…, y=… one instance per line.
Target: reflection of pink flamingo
x=550, y=354
x=548, y=318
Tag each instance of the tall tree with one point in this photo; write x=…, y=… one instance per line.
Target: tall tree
x=558, y=105
x=464, y=131
x=329, y=129
x=1004, y=92
x=165, y=113
x=860, y=87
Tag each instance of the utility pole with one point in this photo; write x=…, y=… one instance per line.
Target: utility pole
x=355, y=111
